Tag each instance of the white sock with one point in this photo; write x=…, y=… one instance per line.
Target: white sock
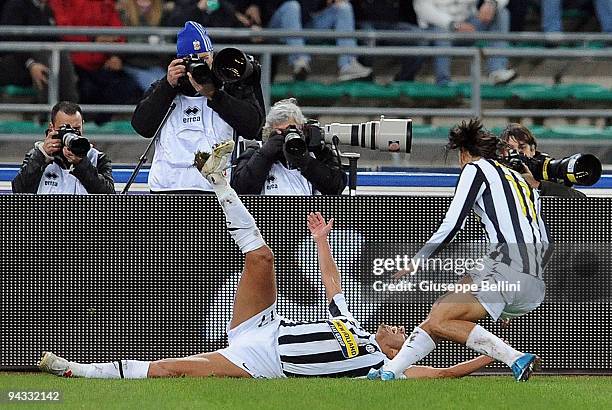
x=418, y=345
x=125, y=369
x=485, y=342
x=240, y=222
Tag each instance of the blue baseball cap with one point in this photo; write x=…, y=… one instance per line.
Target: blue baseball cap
x=192, y=39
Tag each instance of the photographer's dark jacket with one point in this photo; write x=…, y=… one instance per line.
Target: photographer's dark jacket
x=254, y=173
x=548, y=188
x=40, y=174
x=196, y=124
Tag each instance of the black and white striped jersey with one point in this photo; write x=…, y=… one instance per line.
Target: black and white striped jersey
x=508, y=209
x=336, y=347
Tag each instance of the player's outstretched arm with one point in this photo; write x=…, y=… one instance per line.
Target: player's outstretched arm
x=458, y=370
x=330, y=276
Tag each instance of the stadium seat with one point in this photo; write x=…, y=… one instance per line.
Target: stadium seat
x=111, y=128
x=429, y=131
x=576, y=131
x=21, y=127
x=594, y=95
x=421, y=91
x=487, y=91
x=541, y=93
x=18, y=91
x=364, y=89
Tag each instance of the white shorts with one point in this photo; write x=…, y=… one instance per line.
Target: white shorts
x=253, y=345
x=507, y=292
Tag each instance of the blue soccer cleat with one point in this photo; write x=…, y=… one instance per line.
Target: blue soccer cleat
x=381, y=374
x=373, y=374
x=524, y=366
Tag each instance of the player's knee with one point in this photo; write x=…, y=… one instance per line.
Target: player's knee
x=435, y=326
x=262, y=256
x=161, y=368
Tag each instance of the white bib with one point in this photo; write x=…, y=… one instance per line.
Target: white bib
x=284, y=181
x=193, y=126
x=57, y=180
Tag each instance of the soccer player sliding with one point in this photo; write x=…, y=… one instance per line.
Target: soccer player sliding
x=263, y=344
x=509, y=211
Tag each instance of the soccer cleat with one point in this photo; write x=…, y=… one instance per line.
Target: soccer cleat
x=217, y=162
x=384, y=375
x=373, y=374
x=56, y=365
x=524, y=366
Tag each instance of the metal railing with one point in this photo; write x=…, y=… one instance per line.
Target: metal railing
x=266, y=51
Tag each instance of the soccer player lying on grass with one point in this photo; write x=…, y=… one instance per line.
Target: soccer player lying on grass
x=262, y=343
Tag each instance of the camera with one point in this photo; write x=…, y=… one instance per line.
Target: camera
x=579, y=169
x=200, y=71
x=231, y=65
x=390, y=135
x=73, y=140
x=314, y=135
x=295, y=141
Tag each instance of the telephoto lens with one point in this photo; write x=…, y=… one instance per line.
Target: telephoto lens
x=78, y=145
x=388, y=134
x=231, y=65
x=73, y=140
x=579, y=169
x=294, y=143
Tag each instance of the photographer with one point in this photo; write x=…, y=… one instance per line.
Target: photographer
x=520, y=138
x=288, y=163
x=65, y=162
x=207, y=112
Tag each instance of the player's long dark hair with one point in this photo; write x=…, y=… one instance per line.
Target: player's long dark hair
x=472, y=137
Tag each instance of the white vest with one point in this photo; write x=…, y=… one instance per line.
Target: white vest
x=284, y=181
x=193, y=126
x=57, y=180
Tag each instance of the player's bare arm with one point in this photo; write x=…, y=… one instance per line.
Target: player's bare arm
x=456, y=371
x=330, y=275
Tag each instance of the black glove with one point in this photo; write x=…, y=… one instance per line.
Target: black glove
x=297, y=158
x=273, y=148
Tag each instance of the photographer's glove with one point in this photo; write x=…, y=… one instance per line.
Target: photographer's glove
x=297, y=159
x=273, y=148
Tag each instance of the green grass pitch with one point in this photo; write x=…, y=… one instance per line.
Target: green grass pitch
x=487, y=392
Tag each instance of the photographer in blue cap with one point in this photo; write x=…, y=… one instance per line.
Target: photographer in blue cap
x=208, y=111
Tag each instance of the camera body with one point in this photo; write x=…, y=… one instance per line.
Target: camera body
x=198, y=68
x=310, y=138
x=580, y=169
x=73, y=140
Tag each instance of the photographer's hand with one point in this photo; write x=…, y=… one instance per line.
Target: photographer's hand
x=207, y=90
x=298, y=160
x=273, y=148
x=52, y=145
x=176, y=70
x=70, y=157
x=528, y=176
